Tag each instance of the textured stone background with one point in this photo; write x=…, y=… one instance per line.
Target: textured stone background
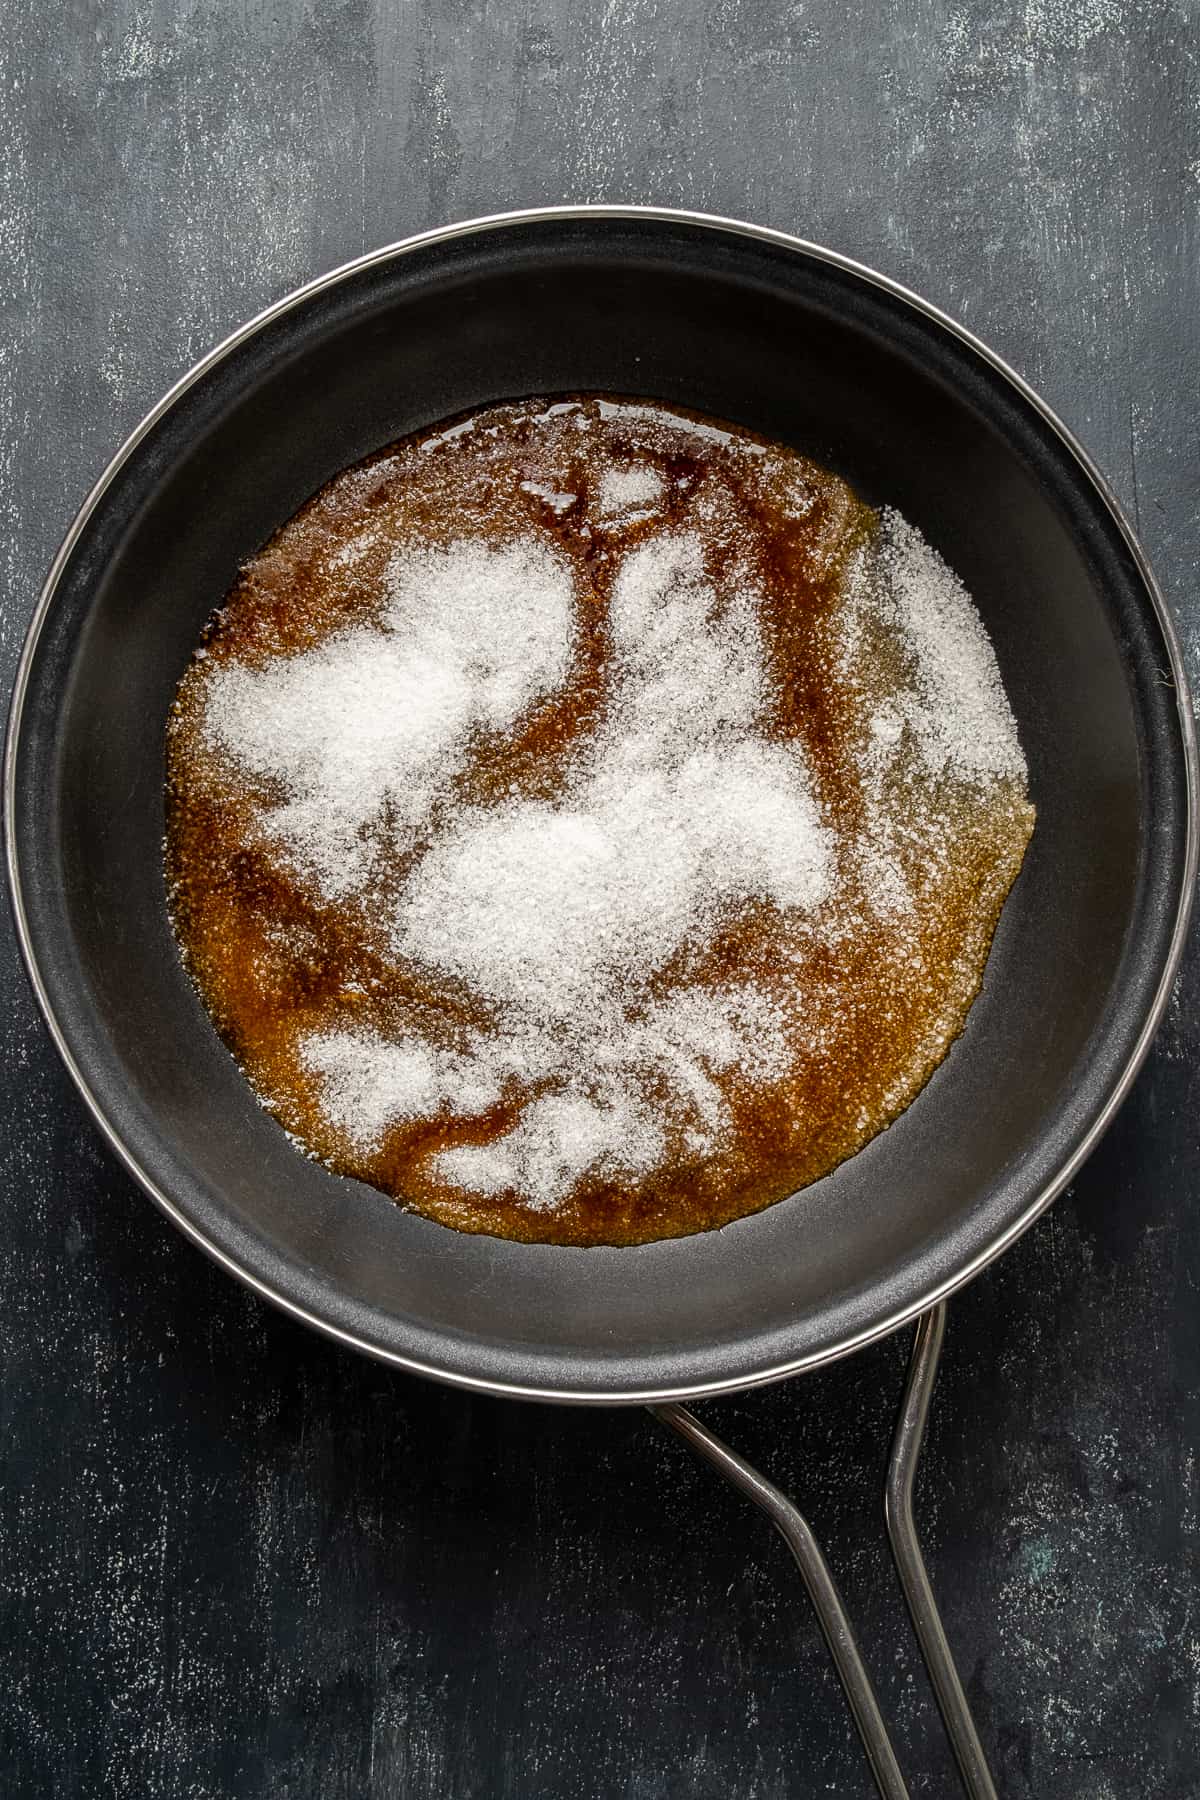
x=236, y=1561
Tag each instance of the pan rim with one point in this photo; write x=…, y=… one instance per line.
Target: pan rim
x=910, y=1309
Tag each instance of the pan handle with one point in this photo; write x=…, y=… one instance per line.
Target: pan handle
x=910, y=1565
x=818, y=1579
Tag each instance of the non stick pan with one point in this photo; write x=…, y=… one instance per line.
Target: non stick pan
x=806, y=347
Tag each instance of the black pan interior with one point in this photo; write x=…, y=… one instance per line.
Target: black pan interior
x=794, y=347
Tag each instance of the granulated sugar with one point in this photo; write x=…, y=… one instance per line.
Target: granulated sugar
x=370, y=1082
x=720, y=902
x=560, y=1137
x=606, y=1067
x=955, y=707
x=383, y=716
x=677, y=811
x=638, y=488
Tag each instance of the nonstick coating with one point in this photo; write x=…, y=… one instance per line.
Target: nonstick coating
x=796, y=344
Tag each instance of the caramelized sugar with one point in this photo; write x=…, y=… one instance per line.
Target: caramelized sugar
x=874, y=998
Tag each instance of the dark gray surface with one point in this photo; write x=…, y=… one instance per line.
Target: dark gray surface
x=238, y=1562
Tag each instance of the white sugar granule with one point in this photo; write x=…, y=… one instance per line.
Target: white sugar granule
x=956, y=707
x=947, y=706
x=559, y=1138
x=638, y=487
x=354, y=551
x=383, y=714
x=369, y=1082
x=680, y=809
x=600, y=1115
x=546, y=908
x=650, y=417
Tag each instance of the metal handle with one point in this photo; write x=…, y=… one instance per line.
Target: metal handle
x=910, y=1564
x=822, y=1590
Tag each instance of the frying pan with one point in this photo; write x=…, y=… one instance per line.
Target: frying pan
x=794, y=342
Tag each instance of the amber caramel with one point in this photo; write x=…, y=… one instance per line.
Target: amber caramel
x=872, y=987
